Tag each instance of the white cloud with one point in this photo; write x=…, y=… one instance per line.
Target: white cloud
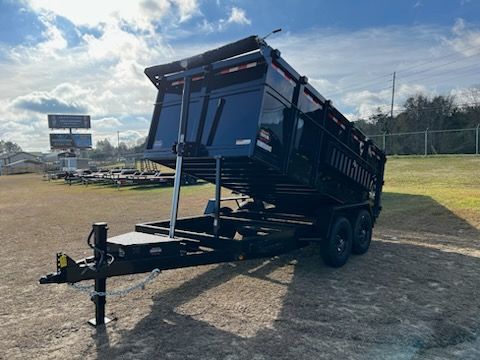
x=104, y=74
x=238, y=16
x=55, y=39
x=63, y=98
x=106, y=123
x=139, y=14
x=465, y=39
x=187, y=9
x=87, y=12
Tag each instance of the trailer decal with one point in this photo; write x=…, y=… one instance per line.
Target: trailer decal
x=264, y=135
x=238, y=68
x=243, y=141
x=284, y=74
x=264, y=146
x=338, y=122
x=180, y=82
x=350, y=167
x=312, y=99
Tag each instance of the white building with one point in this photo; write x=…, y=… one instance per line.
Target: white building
x=7, y=159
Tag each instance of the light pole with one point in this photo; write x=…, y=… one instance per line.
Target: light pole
x=118, y=146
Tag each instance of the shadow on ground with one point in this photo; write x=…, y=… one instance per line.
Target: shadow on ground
x=421, y=213
x=399, y=301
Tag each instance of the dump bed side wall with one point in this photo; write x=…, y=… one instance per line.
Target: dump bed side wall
x=231, y=94
x=311, y=142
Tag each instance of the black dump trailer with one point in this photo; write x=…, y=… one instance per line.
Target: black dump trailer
x=243, y=119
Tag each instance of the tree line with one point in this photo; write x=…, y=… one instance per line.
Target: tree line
x=9, y=147
x=420, y=113
x=104, y=150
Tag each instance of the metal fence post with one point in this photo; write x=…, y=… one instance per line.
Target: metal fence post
x=426, y=142
x=437, y=146
x=477, y=139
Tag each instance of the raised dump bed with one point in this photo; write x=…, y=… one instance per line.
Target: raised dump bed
x=280, y=140
x=242, y=118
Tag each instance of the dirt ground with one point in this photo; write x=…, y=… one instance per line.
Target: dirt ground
x=414, y=295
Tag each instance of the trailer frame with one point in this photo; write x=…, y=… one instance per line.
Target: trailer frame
x=219, y=235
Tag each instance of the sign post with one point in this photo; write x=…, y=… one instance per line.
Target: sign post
x=69, y=141
x=69, y=122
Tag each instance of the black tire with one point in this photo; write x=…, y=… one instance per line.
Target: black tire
x=191, y=180
x=188, y=180
x=337, y=247
x=362, y=232
x=252, y=206
x=225, y=210
x=227, y=229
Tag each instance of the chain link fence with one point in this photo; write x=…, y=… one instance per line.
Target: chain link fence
x=430, y=142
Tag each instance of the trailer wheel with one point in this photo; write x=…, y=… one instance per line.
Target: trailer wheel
x=362, y=232
x=188, y=180
x=337, y=247
x=252, y=206
x=227, y=229
x=192, y=180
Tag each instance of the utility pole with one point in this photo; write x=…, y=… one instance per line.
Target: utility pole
x=118, y=145
x=393, y=97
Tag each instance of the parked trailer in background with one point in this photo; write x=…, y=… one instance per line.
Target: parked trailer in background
x=242, y=118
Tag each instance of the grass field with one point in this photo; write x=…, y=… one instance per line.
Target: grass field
x=438, y=194
x=414, y=295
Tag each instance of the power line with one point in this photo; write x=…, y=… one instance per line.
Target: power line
x=363, y=85
x=429, y=62
x=435, y=67
x=470, y=70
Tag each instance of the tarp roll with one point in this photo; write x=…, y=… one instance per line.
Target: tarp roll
x=224, y=52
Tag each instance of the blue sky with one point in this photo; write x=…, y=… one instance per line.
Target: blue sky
x=88, y=56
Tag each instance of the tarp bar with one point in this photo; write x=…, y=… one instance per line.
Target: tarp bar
x=239, y=47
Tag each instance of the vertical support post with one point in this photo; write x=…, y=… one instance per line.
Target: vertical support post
x=384, y=142
x=292, y=119
x=182, y=130
x=218, y=188
x=99, y=253
x=477, y=145
x=426, y=142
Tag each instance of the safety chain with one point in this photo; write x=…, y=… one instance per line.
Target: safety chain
x=122, y=292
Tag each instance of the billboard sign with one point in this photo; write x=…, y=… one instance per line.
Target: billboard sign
x=69, y=121
x=66, y=141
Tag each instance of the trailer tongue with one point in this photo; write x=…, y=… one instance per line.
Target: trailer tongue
x=242, y=118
